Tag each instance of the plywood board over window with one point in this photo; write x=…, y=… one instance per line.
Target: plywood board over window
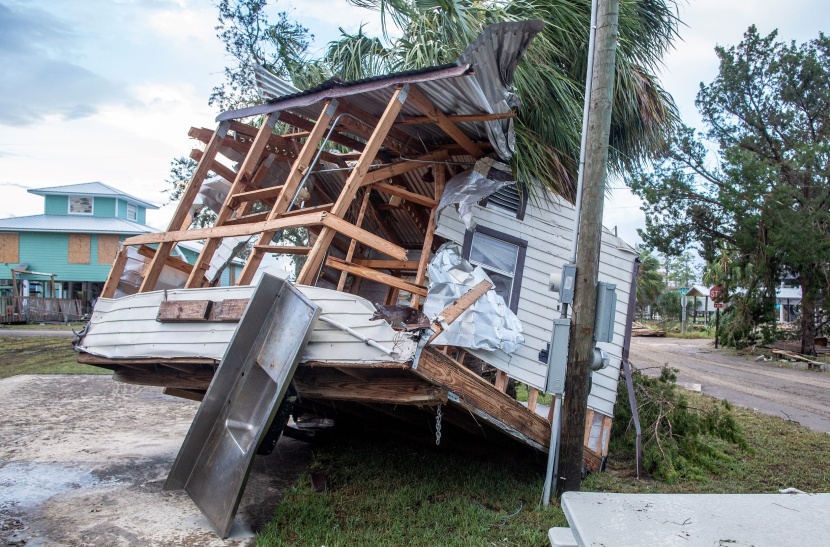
x=107, y=248
x=9, y=247
x=79, y=248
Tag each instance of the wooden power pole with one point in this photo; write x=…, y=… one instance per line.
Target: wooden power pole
x=580, y=354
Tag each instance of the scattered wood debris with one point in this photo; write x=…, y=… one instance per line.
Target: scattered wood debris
x=641, y=329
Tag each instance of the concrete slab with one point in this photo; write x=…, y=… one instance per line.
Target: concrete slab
x=83, y=460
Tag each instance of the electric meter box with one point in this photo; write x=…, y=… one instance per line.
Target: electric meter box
x=606, y=312
x=558, y=356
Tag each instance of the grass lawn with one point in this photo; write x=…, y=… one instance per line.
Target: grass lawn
x=46, y=326
x=40, y=355
x=382, y=491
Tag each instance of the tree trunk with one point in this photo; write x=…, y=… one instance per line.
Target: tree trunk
x=589, y=244
x=808, y=317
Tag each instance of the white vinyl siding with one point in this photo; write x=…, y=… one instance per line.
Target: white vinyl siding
x=547, y=229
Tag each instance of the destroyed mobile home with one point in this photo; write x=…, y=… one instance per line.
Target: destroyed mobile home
x=425, y=265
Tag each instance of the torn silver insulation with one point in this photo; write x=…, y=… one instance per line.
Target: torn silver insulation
x=489, y=324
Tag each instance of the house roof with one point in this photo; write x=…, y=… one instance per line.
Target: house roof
x=91, y=189
x=76, y=224
x=788, y=293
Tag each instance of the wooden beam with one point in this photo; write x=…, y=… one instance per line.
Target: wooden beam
x=353, y=182
x=309, y=219
x=255, y=195
x=246, y=219
x=182, y=214
x=114, y=276
x=498, y=408
x=353, y=243
x=462, y=303
x=172, y=261
x=426, y=106
x=404, y=194
x=366, y=237
x=403, y=265
x=501, y=381
x=374, y=275
x=291, y=185
x=189, y=394
x=177, y=311
x=402, y=167
x=244, y=175
x=143, y=362
x=164, y=377
x=439, y=172
x=395, y=140
x=229, y=310
x=308, y=125
x=282, y=249
x=399, y=391
x=457, y=118
x=325, y=207
x=532, y=398
x=224, y=172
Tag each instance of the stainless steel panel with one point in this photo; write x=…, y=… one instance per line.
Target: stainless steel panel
x=215, y=459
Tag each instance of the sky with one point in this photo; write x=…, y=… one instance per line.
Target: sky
x=106, y=90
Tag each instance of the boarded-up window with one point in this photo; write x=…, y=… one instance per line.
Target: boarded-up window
x=78, y=249
x=107, y=248
x=9, y=245
x=79, y=205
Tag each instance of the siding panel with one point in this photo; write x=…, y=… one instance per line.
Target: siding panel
x=547, y=228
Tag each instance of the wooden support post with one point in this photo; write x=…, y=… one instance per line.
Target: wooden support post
x=315, y=257
x=353, y=243
x=440, y=174
x=291, y=185
x=244, y=175
x=501, y=381
x=532, y=398
x=182, y=213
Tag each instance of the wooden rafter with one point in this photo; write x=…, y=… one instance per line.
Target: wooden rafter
x=353, y=182
x=291, y=186
x=181, y=218
x=374, y=275
x=440, y=174
x=400, y=168
x=426, y=106
x=457, y=118
x=353, y=243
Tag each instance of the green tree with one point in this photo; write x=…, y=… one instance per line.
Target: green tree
x=650, y=282
x=549, y=80
x=768, y=197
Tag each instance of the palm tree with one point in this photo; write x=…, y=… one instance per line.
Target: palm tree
x=549, y=80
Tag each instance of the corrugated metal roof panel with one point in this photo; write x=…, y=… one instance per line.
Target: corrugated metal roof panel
x=73, y=223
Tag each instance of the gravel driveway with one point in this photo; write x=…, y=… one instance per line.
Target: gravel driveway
x=773, y=388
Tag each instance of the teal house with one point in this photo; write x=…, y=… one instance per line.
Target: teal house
x=67, y=251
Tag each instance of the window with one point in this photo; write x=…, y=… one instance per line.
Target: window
x=79, y=205
x=508, y=199
x=500, y=255
x=132, y=212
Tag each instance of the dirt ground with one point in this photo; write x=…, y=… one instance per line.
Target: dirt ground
x=83, y=460
x=783, y=390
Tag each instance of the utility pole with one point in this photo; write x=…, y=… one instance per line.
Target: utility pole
x=580, y=354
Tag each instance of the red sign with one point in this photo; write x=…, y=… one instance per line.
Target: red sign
x=714, y=292
x=718, y=306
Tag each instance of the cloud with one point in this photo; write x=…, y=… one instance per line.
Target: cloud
x=37, y=76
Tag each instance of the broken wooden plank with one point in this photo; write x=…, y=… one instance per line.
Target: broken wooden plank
x=478, y=394
x=228, y=310
x=374, y=275
x=532, y=398
x=176, y=311
x=282, y=249
x=143, y=362
x=797, y=356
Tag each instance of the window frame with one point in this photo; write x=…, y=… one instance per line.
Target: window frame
x=69, y=205
x=518, y=276
x=135, y=212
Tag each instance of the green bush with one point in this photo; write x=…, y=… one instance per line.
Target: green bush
x=679, y=441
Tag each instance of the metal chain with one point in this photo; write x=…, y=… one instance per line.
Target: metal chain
x=438, y=426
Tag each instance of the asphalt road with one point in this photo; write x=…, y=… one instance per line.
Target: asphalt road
x=772, y=387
